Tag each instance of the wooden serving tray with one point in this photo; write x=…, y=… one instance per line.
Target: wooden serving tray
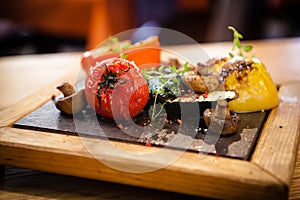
x=266, y=174
x=239, y=145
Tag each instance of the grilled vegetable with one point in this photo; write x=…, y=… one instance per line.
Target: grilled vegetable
x=116, y=89
x=142, y=53
x=221, y=119
x=167, y=88
x=250, y=79
x=247, y=76
x=72, y=102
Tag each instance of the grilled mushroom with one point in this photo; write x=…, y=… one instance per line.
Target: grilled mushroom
x=221, y=119
x=72, y=102
x=200, y=83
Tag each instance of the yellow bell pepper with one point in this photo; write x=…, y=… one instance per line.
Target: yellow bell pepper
x=252, y=82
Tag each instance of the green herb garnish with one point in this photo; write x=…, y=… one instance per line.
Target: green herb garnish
x=237, y=44
x=115, y=45
x=111, y=78
x=124, y=56
x=113, y=39
x=164, y=83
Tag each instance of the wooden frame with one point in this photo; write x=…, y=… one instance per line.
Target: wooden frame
x=267, y=174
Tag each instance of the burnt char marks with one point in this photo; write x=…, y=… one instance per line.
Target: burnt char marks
x=240, y=67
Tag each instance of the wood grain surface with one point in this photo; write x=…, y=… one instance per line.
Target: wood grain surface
x=220, y=177
x=66, y=155
x=276, y=148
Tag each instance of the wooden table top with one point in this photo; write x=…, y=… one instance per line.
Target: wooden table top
x=23, y=75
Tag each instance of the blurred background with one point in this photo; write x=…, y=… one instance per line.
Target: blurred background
x=50, y=26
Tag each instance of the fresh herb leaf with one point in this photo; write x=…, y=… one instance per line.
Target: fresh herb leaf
x=175, y=80
x=247, y=48
x=115, y=45
x=186, y=67
x=126, y=46
x=231, y=54
x=173, y=69
x=161, y=68
x=124, y=56
x=164, y=83
x=237, y=44
x=113, y=39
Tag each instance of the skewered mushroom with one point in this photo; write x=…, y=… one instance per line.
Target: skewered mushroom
x=221, y=119
x=72, y=102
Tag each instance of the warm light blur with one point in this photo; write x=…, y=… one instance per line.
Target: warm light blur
x=42, y=26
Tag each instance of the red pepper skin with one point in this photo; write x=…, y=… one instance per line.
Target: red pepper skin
x=145, y=54
x=205, y=94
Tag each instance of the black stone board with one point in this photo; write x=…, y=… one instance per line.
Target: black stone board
x=238, y=145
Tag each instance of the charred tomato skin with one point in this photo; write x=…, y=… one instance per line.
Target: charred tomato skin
x=116, y=89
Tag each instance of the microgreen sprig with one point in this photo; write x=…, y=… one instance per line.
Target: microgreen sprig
x=118, y=46
x=237, y=44
x=169, y=83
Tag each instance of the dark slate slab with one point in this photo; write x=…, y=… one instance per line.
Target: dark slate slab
x=86, y=124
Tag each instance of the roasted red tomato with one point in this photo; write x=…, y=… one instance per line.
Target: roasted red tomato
x=116, y=89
